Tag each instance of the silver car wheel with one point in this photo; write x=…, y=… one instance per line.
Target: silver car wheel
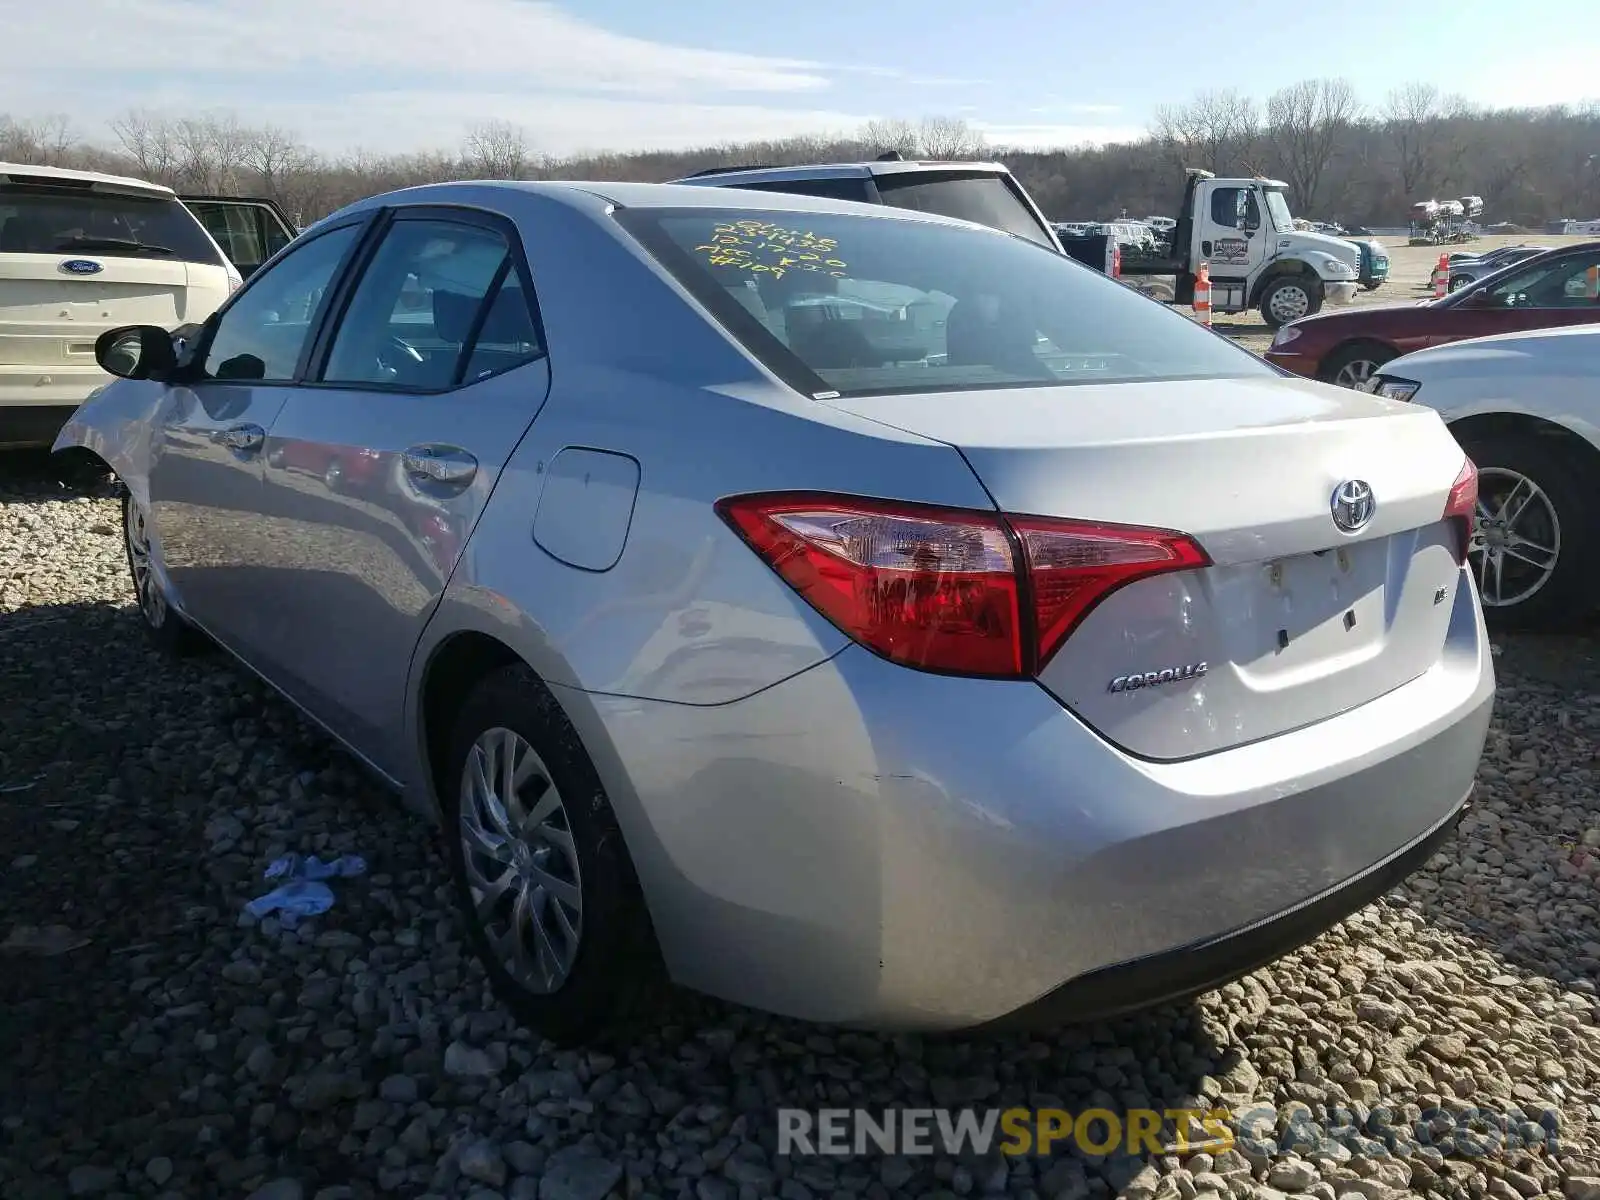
x=1354, y=374
x=146, y=587
x=1290, y=303
x=1517, y=540
x=521, y=862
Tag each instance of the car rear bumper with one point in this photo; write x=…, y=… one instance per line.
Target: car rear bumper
x=869, y=845
x=32, y=426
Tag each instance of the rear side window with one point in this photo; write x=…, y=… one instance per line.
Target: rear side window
x=40, y=220
x=979, y=196
x=868, y=305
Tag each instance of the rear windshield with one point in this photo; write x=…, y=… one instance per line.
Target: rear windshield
x=980, y=196
x=878, y=305
x=49, y=221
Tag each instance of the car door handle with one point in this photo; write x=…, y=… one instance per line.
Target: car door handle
x=242, y=439
x=440, y=464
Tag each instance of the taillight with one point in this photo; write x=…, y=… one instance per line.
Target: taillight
x=1116, y=262
x=957, y=591
x=1462, y=506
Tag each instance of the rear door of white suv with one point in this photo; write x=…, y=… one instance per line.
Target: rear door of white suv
x=80, y=254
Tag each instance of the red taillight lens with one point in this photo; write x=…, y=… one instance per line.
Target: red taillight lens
x=951, y=590
x=1116, y=262
x=1462, y=506
x=1073, y=565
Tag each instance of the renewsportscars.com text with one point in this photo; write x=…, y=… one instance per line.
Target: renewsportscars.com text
x=1468, y=1133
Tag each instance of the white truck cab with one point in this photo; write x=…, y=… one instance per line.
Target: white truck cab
x=1243, y=230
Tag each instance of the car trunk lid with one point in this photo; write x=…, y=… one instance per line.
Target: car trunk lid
x=1294, y=620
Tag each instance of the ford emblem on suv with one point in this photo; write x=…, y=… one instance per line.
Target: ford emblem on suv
x=82, y=266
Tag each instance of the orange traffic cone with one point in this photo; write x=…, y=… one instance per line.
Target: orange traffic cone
x=1202, y=294
x=1441, y=277
x=1592, y=283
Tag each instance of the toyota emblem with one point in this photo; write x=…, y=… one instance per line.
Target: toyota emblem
x=1353, y=505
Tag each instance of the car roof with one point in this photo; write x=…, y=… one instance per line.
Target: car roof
x=595, y=196
x=125, y=185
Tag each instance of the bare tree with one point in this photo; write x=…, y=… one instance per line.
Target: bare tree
x=48, y=141
x=148, y=139
x=884, y=134
x=1305, y=122
x=1528, y=164
x=1414, y=117
x=1220, y=129
x=948, y=138
x=498, y=150
x=273, y=155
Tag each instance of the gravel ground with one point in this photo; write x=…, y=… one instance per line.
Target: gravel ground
x=155, y=1041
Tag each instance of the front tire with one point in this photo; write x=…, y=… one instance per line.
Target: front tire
x=1351, y=366
x=540, y=872
x=1288, y=298
x=166, y=628
x=1536, y=535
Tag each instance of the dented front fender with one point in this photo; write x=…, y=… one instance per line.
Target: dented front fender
x=116, y=423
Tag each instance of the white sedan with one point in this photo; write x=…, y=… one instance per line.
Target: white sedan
x=1526, y=408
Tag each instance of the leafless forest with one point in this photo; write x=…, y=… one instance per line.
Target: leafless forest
x=1345, y=160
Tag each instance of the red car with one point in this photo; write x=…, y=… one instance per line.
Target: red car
x=1347, y=346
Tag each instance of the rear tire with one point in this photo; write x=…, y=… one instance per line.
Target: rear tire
x=1288, y=298
x=548, y=893
x=1553, y=511
x=168, y=631
x=1352, y=365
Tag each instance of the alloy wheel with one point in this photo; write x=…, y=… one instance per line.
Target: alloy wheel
x=1355, y=373
x=146, y=586
x=1516, y=541
x=521, y=861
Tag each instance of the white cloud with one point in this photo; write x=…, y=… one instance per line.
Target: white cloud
x=418, y=74
x=531, y=41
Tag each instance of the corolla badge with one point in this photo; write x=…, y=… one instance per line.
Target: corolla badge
x=81, y=266
x=1150, y=679
x=1352, y=505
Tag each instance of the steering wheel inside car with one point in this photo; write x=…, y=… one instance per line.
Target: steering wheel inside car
x=398, y=357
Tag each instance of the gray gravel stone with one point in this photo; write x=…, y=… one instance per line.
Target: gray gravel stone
x=577, y=1173
x=166, y=1047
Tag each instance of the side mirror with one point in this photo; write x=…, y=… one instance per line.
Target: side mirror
x=136, y=352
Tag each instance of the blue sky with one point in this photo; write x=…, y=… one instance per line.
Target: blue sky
x=387, y=75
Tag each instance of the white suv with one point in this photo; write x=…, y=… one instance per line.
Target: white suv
x=82, y=253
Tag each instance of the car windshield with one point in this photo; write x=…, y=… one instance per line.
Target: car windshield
x=869, y=305
x=1278, y=209
x=44, y=220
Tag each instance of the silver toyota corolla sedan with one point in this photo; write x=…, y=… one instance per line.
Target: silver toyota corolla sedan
x=851, y=612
